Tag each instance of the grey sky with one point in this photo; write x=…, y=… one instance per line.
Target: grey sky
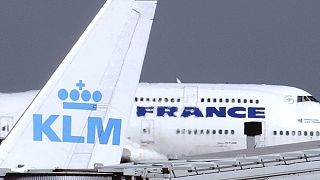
x=210, y=41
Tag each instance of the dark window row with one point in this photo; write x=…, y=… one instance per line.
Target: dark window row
x=203, y=131
x=144, y=99
x=229, y=100
x=297, y=133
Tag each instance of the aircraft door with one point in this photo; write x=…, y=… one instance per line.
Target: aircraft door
x=255, y=132
x=260, y=140
x=147, y=131
x=190, y=95
x=6, y=123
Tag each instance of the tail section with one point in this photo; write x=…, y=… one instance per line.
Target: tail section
x=80, y=116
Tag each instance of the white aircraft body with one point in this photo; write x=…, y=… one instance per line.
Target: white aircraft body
x=188, y=119
x=80, y=117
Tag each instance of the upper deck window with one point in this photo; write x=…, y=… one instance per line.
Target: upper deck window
x=307, y=99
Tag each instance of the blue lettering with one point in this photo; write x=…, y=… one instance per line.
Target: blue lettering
x=141, y=111
x=95, y=123
x=188, y=111
x=256, y=112
x=222, y=112
x=213, y=110
x=170, y=111
x=66, y=132
x=40, y=127
x=234, y=112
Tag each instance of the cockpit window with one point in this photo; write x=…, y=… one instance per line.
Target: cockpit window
x=307, y=99
x=313, y=99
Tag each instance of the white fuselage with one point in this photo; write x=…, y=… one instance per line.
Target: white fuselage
x=189, y=119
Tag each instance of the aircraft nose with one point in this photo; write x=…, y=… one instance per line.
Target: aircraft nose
x=316, y=111
x=309, y=112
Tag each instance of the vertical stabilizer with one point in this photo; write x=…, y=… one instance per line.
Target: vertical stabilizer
x=80, y=116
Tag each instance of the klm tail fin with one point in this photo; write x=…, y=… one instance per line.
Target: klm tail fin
x=80, y=116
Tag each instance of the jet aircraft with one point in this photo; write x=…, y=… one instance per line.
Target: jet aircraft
x=171, y=119
x=180, y=119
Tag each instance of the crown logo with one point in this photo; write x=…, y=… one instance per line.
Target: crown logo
x=76, y=94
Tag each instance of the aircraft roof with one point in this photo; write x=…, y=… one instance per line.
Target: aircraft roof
x=286, y=90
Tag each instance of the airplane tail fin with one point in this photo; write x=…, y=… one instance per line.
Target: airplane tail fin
x=80, y=116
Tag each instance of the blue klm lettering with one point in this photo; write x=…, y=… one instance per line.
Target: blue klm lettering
x=95, y=124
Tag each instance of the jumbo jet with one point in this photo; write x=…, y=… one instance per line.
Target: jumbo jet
x=171, y=120
x=80, y=117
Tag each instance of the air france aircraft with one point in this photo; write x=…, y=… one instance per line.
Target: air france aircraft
x=79, y=118
x=188, y=119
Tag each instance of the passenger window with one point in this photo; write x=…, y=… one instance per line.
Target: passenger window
x=232, y=131
x=213, y=131
x=136, y=99
x=251, y=101
x=208, y=131
x=201, y=131
x=293, y=133
x=189, y=131
x=274, y=132
x=221, y=100
x=160, y=100
x=226, y=131
x=299, y=133
x=183, y=131
x=281, y=133
x=195, y=131
x=317, y=133
x=178, y=100
x=202, y=99
x=311, y=133
x=287, y=133
x=244, y=101
x=214, y=100
x=147, y=99
x=178, y=131
x=227, y=100
x=257, y=101
x=141, y=99
x=233, y=100
x=208, y=100
x=154, y=100
x=144, y=130
x=220, y=131
x=305, y=133
x=172, y=99
x=166, y=100
x=239, y=100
